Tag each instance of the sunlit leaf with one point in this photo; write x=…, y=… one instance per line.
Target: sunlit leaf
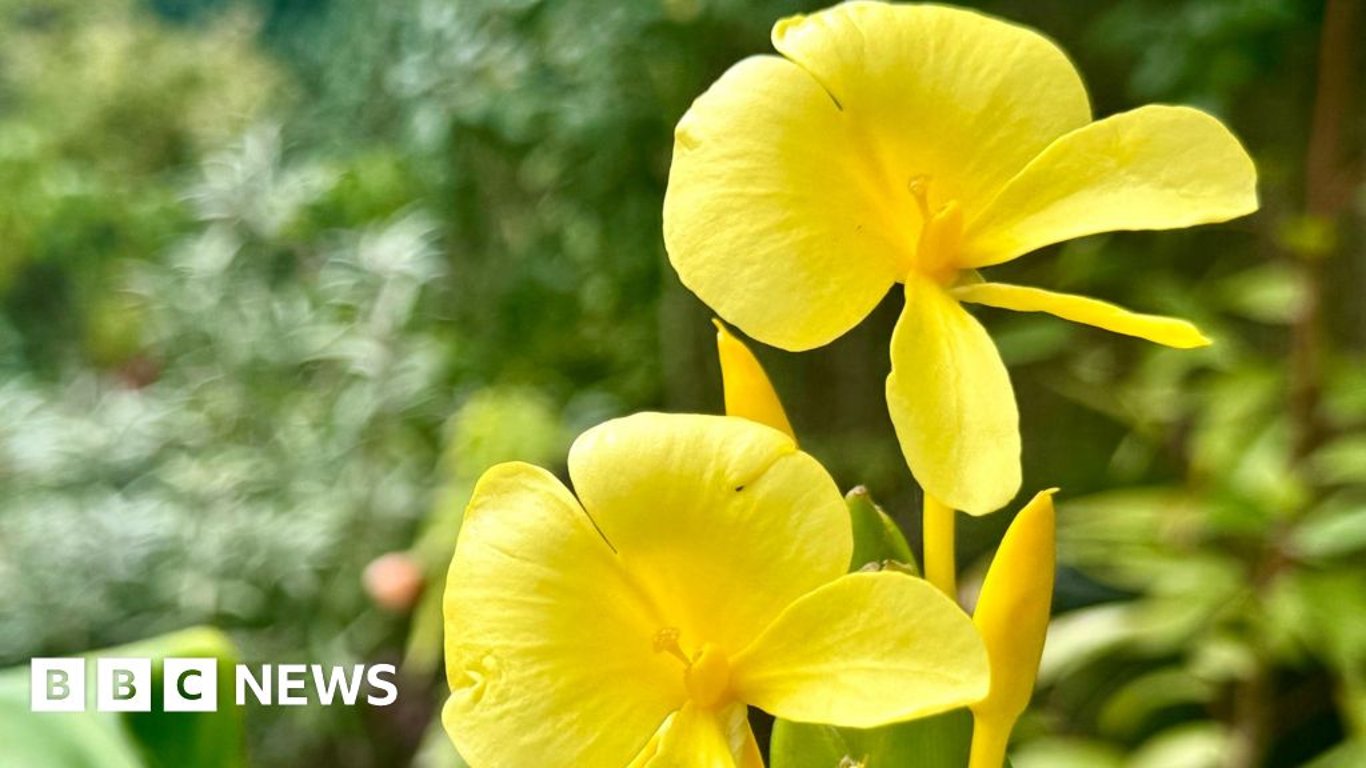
x=934, y=742
x=1059, y=752
x=1195, y=745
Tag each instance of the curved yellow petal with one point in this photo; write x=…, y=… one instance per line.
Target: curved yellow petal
x=1012, y=617
x=652, y=748
x=534, y=680
x=705, y=738
x=951, y=403
x=1169, y=331
x=1156, y=167
x=749, y=393
x=771, y=216
x=865, y=650
x=959, y=99
x=721, y=521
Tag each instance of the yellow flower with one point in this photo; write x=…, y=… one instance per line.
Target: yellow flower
x=699, y=570
x=917, y=144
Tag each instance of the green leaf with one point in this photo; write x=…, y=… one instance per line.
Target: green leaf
x=1193, y=745
x=933, y=742
x=1334, y=530
x=877, y=539
x=1341, y=461
x=1138, y=701
x=1273, y=293
x=201, y=739
x=1068, y=752
x=1346, y=755
x=59, y=740
x=154, y=739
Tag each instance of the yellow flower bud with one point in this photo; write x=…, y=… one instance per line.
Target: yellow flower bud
x=1012, y=617
x=749, y=393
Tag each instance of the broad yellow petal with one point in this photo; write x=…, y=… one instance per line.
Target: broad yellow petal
x=707, y=738
x=1012, y=617
x=1168, y=331
x=548, y=645
x=959, y=99
x=749, y=393
x=1155, y=167
x=721, y=521
x=865, y=650
x=771, y=215
x=951, y=403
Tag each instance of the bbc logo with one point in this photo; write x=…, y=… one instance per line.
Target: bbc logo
x=191, y=685
x=123, y=685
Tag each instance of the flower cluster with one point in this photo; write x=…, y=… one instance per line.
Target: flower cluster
x=698, y=567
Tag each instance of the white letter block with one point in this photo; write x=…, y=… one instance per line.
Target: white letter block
x=123, y=685
x=190, y=685
x=57, y=685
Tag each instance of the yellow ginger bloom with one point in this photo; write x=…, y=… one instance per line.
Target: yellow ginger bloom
x=700, y=569
x=1012, y=615
x=915, y=144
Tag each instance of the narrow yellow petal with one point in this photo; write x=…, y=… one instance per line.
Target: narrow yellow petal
x=951, y=403
x=1169, y=331
x=1156, y=167
x=770, y=216
x=532, y=681
x=721, y=521
x=749, y=393
x=1012, y=617
x=706, y=738
x=955, y=98
x=864, y=650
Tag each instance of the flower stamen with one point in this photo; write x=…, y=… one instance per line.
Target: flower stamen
x=666, y=641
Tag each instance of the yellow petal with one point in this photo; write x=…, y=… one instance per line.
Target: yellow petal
x=1169, y=331
x=652, y=748
x=548, y=646
x=1155, y=167
x=749, y=393
x=771, y=217
x=1012, y=616
x=865, y=650
x=721, y=521
x=705, y=738
x=957, y=98
x=951, y=403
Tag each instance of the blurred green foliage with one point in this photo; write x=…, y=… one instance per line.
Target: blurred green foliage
x=278, y=279
x=153, y=739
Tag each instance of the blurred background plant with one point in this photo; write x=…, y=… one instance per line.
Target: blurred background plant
x=278, y=279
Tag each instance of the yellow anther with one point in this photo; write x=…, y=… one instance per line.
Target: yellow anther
x=666, y=641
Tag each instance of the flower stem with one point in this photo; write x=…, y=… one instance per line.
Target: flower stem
x=940, y=564
x=989, y=741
